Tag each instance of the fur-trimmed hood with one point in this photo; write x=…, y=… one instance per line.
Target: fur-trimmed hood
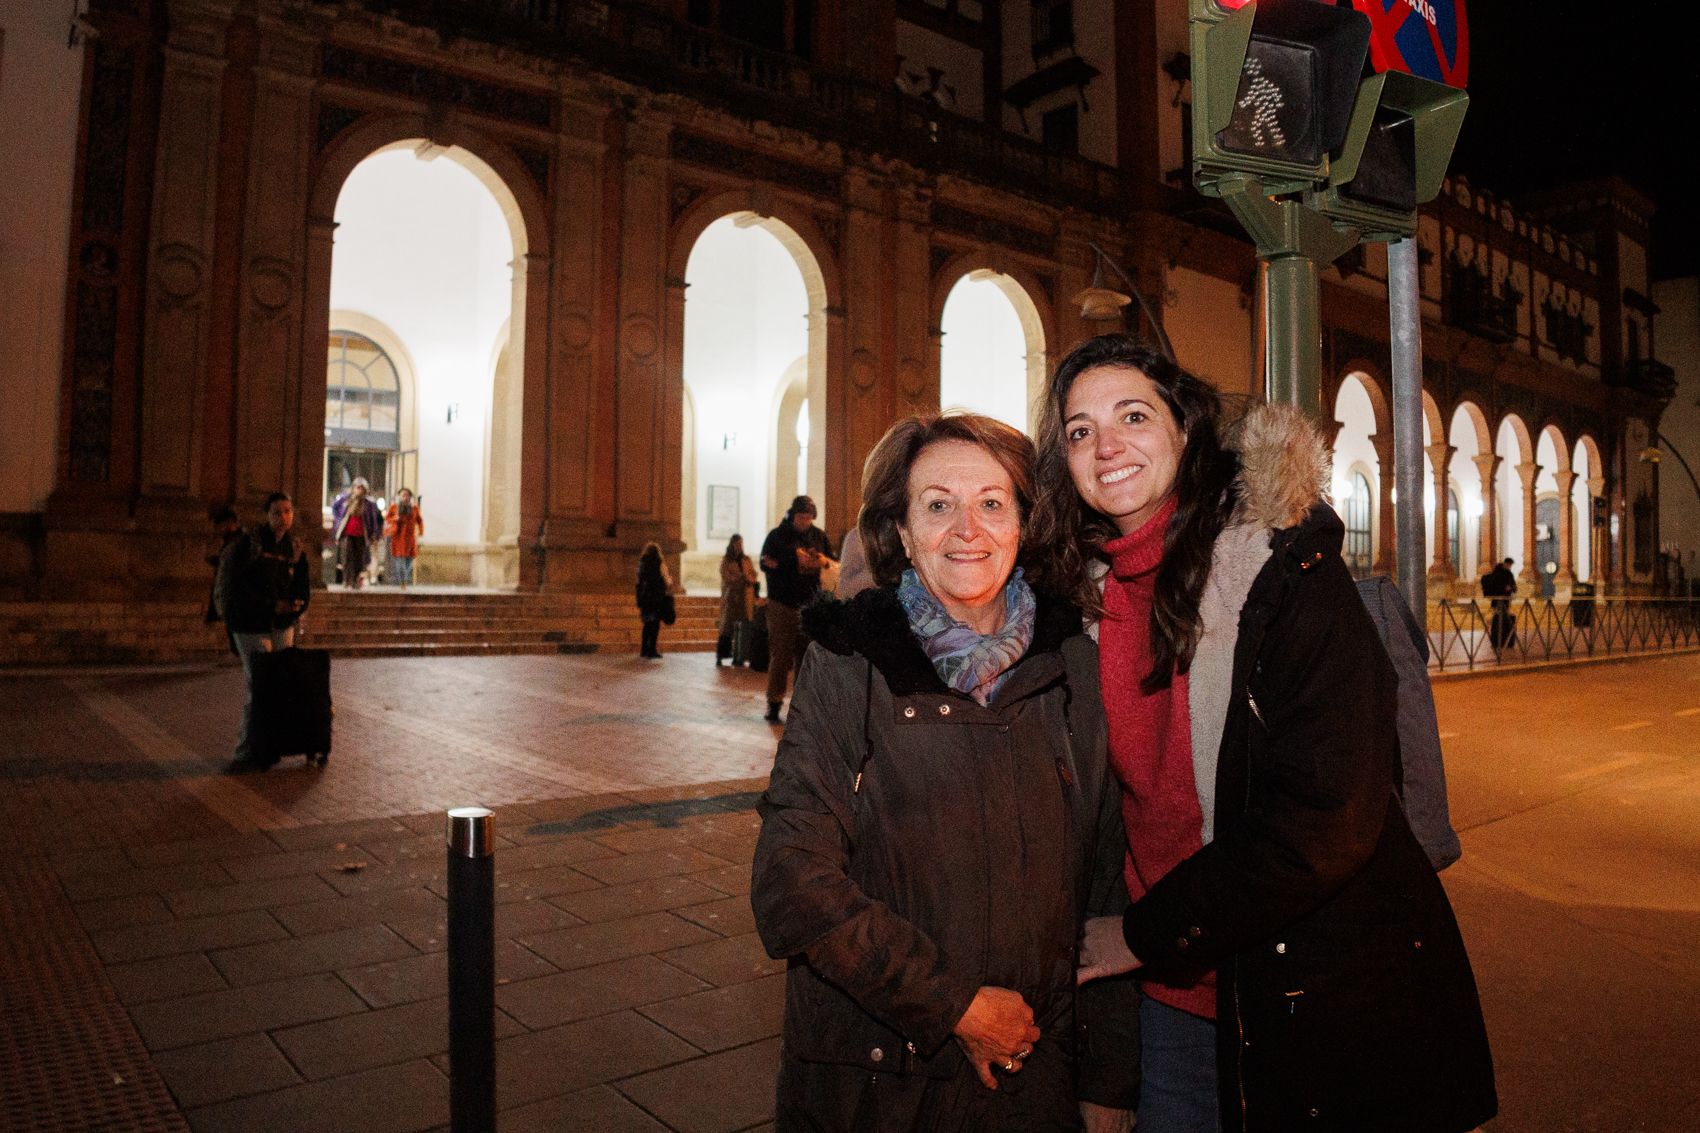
x=1284, y=465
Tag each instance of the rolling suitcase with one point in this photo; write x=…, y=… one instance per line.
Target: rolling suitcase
x=292, y=705
x=743, y=637
x=758, y=641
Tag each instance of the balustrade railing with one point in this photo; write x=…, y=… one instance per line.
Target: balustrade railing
x=649, y=46
x=1478, y=633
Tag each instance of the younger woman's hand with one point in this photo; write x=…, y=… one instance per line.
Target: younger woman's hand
x=1103, y=950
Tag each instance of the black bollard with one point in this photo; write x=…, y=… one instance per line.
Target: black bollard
x=472, y=971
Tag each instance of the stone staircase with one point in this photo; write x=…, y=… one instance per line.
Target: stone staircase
x=378, y=622
x=383, y=622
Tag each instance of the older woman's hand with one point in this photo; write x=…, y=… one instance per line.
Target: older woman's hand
x=1104, y=950
x=996, y=1031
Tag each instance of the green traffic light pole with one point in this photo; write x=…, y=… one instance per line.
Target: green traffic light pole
x=1296, y=242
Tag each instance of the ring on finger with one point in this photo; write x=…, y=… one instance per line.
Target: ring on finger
x=1009, y=1066
x=1023, y=1053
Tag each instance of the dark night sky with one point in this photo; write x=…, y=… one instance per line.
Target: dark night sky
x=1568, y=90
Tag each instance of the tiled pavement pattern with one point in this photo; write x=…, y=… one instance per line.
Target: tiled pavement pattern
x=188, y=950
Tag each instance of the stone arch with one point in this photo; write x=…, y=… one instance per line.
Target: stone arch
x=496, y=166
x=1025, y=293
x=1513, y=504
x=1375, y=387
x=798, y=232
x=1472, y=462
x=516, y=481
x=1590, y=481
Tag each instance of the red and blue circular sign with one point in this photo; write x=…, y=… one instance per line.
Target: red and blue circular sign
x=1425, y=38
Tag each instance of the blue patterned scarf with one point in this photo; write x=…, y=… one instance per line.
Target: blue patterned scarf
x=966, y=660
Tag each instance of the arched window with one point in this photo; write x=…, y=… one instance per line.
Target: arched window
x=1360, y=556
x=1454, y=524
x=362, y=413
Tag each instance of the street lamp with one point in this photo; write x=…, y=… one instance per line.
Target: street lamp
x=1102, y=304
x=1653, y=456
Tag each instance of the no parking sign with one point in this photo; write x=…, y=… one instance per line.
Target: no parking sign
x=1426, y=38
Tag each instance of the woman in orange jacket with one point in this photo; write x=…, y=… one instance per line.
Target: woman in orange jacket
x=403, y=525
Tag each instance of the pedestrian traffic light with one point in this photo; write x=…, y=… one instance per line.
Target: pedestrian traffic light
x=1395, y=156
x=1274, y=85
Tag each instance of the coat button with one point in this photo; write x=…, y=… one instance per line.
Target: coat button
x=1182, y=943
x=1195, y=932
x=876, y=1055
x=1281, y=948
x=1417, y=944
x=1314, y=1112
x=909, y=713
x=944, y=710
x=911, y=1048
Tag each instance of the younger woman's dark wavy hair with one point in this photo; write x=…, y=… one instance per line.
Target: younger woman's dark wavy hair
x=1068, y=533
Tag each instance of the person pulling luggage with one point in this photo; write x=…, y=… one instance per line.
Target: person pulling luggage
x=263, y=587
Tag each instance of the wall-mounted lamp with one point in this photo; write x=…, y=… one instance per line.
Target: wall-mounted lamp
x=1179, y=69
x=1102, y=304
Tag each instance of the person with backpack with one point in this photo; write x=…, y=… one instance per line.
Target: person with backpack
x=262, y=589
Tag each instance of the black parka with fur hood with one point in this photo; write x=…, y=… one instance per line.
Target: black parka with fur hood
x=1346, y=1003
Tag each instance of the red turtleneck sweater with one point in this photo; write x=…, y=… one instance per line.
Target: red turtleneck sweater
x=1150, y=738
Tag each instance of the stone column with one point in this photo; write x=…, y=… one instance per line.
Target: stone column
x=917, y=384
x=1440, y=566
x=648, y=410
x=571, y=418
x=1598, y=564
x=1386, y=556
x=862, y=407
x=1530, y=575
x=1487, y=552
x=177, y=303
x=280, y=366
x=1566, y=577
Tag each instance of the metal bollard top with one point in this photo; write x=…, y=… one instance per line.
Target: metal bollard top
x=471, y=832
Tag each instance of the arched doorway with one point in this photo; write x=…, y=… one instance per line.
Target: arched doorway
x=753, y=358
x=992, y=348
x=426, y=242
x=1356, y=483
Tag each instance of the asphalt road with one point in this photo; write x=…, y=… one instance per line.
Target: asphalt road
x=1577, y=794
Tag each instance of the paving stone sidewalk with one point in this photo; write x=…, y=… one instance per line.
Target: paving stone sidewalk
x=186, y=950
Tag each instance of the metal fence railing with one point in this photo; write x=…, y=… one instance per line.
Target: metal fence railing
x=1477, y=633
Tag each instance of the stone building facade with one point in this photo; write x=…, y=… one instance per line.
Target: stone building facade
x=893, y=145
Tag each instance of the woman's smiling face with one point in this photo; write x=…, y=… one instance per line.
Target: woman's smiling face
x=1123, y=444
x=963, y=530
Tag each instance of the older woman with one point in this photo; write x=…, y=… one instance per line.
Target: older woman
x=938, y=813
x=1300, y=963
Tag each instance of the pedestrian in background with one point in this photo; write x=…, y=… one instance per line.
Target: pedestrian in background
x=228, y=527
x=738, y=579
x=1301, y=965
x=355, y=522
x=654, y=599
x=403, y=525
x=262, y=589
x=792, y=556
x=1499, y=586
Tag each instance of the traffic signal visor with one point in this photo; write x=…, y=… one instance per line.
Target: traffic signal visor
x=1399, y=144
x=1279, y=84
